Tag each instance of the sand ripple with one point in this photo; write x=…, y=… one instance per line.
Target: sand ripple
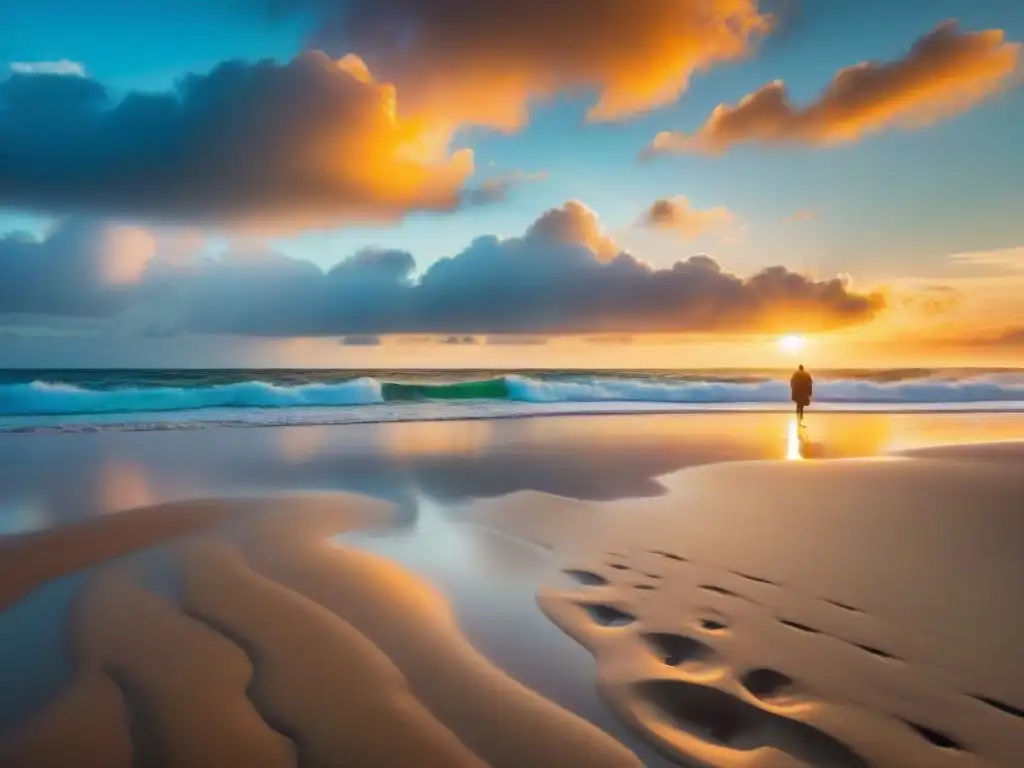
x=286, y=650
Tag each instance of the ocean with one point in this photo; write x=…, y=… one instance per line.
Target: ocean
x=93, y=400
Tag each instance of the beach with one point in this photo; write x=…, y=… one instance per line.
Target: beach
x=718, y=589
x=502, y=384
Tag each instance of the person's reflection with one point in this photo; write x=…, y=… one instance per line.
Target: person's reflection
x=799, y=445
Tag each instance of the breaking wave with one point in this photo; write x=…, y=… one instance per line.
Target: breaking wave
x=44, y=398
x=997, y=387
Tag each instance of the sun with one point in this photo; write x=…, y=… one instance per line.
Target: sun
x=792, y=343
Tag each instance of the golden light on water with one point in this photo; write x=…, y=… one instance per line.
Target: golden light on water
x=793, y=441
x=792, y=343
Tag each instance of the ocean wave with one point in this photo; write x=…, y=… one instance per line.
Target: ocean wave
x=990, y=388
x=43, y=398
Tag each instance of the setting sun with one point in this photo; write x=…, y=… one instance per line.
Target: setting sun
x=792, y=344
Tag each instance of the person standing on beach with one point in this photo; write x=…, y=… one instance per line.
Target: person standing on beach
x=801, y=386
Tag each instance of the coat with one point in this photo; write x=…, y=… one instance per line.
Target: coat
x=802, y=387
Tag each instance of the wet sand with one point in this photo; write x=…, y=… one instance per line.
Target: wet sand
x=448, y=568
x=849, y=613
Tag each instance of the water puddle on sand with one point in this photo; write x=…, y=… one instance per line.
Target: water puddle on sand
x=491, y=580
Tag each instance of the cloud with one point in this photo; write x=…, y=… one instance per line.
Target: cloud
x=80, y=269
x=932, y=300
x=497, y=188
x=361, y=341
x=1000, y=259
x=802, y=215
x=556, y=279
x=466, y=61
x=946, y=72
x=676, y=215
x=262, y=143
x=573, y=224
x=60, y=67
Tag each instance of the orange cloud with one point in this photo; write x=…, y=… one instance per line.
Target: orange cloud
x=802, y=215
x=468, y=61
x=945, y=72
x=574, y=224
x=676, y=215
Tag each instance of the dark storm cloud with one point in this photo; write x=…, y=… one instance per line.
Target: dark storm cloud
x=550, y=281
x=80, y=269
x=269, y=143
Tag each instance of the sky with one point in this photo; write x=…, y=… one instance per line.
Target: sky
x=447, y=183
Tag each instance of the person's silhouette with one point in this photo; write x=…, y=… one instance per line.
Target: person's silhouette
x=801, y=387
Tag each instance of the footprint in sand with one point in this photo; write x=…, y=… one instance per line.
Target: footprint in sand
x=713, y=625
x=711, y=620
x=721, y=719
x=586, y=578
x=680, y=650
x=713, y=708
x=608, y=616
x=771, y=686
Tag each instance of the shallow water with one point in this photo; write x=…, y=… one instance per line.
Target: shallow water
x=51, y=480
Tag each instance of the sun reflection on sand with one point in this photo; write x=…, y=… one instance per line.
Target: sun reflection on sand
x=454, y=438
x=124, y=485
